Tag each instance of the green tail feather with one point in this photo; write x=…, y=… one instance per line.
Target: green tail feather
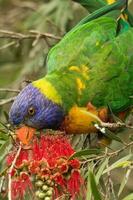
x=92, y=5
x=100, y=7
x=102, y=11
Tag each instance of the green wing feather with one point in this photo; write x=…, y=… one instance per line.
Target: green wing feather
x=108, y=56
x=110, y=77
x=79, y=45
x=65, y=52
x=111, y=74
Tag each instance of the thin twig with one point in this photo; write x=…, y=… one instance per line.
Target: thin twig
x=6, y=101
x=9, y=90
x=109, y=125
x=8, y=45
x=33, y=34
x=115, y=125
x=43, y=35
x=1, y=183
x=109, y=155
x=10, y=172
x=110, y=186
x=115, y=153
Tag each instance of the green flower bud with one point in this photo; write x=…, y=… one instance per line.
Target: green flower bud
x=37, y=177
x=47, y=198
x=37, y=193
x=39, y=183
x=45, y=187
x=49, y=193
x=52, y=183
x=50, y=188
x=41, y=195
x=48, y=182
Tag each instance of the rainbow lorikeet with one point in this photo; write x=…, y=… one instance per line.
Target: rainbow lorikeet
x=88, y=71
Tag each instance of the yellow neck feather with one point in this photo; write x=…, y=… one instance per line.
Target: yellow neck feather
x=111, y=1
x=48, y=90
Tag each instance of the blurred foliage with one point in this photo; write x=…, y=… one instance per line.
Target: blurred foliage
x=109, y=177
x=23, y=59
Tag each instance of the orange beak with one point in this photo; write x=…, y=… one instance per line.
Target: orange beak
x=25, y=134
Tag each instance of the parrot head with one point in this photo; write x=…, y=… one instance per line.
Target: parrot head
x=34, y=109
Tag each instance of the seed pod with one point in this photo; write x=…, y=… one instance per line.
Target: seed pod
x=39, y=183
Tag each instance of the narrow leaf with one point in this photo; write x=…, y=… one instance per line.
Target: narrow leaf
x=5, y=148
x=89, y=192
x=112, y=136
x=129, y=197
x=119, y=163
x=124, y=181
x=86, y=152
x=93, y=187
x=101, y=169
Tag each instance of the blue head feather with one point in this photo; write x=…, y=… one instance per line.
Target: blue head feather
x=47, y=113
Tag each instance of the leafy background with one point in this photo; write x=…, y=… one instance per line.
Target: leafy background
x=24, y=58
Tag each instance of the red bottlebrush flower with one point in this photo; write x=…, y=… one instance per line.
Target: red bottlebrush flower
x=47, y=162
x=74, y=164
x=20, y=185
x=74, y=183
x=34, y=167
x=10, y=158
x=63, y=168
x=51, y=147
x=58, y=178
x=23, y=157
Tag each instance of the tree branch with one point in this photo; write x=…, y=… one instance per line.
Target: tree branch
x=109, y=155
x=10, y=173
x=9, y=90
x=33, y=34
x=6, y=101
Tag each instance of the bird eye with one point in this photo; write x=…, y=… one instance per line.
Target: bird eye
x=31, y=111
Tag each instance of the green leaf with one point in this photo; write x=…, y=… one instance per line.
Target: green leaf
x=89, y=192
x=6, y=115
x=131, y=137
x=86, y=152
x=123, y=162
x=112, y=136
x=101, y=169
x=4, y=149
x=129, y=197
x=124, y=181
x=93, y=186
